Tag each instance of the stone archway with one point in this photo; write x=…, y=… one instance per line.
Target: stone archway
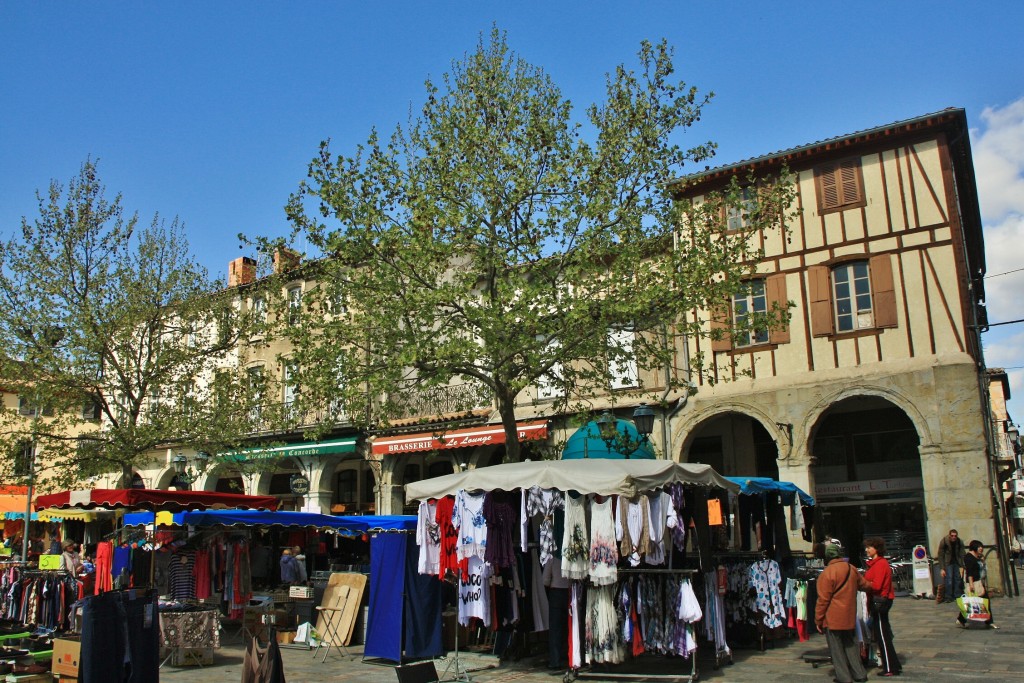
x=866, y=468
x=733, y=442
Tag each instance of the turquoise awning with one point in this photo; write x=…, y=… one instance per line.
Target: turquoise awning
x=586, y=442
x=294, y=450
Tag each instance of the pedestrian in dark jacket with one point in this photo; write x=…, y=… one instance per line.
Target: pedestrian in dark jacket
x=950, y=557
x=836, y=612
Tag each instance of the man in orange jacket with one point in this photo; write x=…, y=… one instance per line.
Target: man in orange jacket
x=836, y=612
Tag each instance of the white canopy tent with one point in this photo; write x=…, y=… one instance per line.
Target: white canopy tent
x=599, y=476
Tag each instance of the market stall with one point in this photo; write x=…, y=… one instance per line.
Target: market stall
x=758, y=591
x=659, y=507
x=105, y=643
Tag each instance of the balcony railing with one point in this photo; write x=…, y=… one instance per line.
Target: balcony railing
x=440, y=400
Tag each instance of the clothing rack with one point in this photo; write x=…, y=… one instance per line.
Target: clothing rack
x=612, y=675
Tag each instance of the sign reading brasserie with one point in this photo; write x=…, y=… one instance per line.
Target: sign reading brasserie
x=490, y=435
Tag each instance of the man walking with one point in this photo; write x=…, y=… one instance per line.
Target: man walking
x=836, y=613
x=951, y=561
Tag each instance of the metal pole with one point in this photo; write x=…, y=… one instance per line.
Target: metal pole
x=28, y=505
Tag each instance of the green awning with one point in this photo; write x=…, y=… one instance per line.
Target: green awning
x=293, y=450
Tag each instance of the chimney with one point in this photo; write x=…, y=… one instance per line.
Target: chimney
x=285, y=259
x=241, y=271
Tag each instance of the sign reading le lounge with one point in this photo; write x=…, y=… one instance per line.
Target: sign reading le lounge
x=490, y=435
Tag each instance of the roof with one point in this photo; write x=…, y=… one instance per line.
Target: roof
x=603, y=477
x=152, y=499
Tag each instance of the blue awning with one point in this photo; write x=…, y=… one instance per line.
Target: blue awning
x=586, y=442
x=751, y=486
x=353, y=525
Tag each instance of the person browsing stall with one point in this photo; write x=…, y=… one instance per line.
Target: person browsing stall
x=879, y=575
x=70, y=561
x=836, y=612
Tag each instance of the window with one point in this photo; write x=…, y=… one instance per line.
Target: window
x=91, y=409
x=28, y=409
x=155, y=399
x=738, y=217
x=347, y=486
x=258, y=308
x=549, y=385
x=852, y=296
x=254, y=376
x=762, y=295
x=22, y=460
x=622, y=361
x=852, y=291
x=294, y=305
x=839, y=185
x=291, y=386
x=751, y=300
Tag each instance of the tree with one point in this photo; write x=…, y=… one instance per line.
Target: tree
x=496, y=241
x=115, y=338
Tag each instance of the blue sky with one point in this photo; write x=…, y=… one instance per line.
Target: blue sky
x=210, y=111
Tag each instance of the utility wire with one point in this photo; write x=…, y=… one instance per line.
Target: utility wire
x=1006, y=273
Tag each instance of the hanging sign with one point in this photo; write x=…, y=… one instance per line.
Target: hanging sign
x=299, y=484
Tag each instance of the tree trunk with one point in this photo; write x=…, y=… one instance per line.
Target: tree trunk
x=507, y=410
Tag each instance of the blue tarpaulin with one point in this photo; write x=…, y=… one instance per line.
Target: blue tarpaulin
x=750, y=486
x=354, y=525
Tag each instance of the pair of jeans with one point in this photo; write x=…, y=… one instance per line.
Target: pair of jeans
x=954, y=583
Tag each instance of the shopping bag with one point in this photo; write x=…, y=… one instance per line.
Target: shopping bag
x=306, y=634
x=973, y=608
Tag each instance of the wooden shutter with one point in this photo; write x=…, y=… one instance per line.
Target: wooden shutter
x=839, y=185
x=820, y=285
x=849, y=181
x=883, y=292
x=721, y=319
x=775, y=290
x=828, y=191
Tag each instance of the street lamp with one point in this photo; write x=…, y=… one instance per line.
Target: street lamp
x=643, y=419
x=185, y=474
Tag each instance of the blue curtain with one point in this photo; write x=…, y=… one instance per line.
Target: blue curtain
x=384, y=619
x=405, y=607
x=422, y=608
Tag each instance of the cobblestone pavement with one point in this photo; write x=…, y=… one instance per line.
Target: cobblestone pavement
x=931, y=646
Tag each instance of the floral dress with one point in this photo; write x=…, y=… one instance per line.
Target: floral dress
x=575, y=540
x=604, y=550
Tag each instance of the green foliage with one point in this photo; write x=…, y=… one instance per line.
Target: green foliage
x=493, y=242
x=115, y=329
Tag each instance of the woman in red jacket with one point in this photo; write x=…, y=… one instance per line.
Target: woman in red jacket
x=879, y=575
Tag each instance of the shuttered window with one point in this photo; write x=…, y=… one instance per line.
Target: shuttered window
x=852, y=296
x=839, y=185
x=760, y=296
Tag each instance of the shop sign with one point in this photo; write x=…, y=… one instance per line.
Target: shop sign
x=299, y=484
x=491, y=435
x=295, y=450
x=867, y=487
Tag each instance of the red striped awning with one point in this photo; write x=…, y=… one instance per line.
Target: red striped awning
x=153, y=499
x=489, y=435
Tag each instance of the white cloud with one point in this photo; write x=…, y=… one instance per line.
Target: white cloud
x=999, y=169
x=999, y=161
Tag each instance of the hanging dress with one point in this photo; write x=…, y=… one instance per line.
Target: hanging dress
x=604, y=644
x=468, y=518
x=575, y=540
x=604, y=551
x=428, y=538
